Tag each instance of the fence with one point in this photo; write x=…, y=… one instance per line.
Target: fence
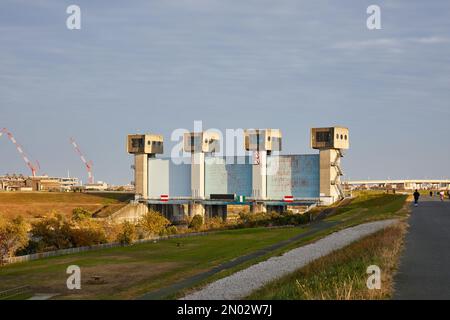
x=41, y=255
x=61, y=252
x=13, y=292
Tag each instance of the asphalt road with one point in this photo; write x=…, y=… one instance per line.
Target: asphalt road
x=424, y=271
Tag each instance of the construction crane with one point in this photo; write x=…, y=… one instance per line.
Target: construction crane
x=88, y=164
x=33, y=167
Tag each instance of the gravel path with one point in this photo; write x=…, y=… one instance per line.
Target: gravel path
x=244, y=282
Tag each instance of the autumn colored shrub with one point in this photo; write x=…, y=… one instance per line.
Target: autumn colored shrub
x=153, y=223
x=196, y=222
x=128, y=233
x=13, y=237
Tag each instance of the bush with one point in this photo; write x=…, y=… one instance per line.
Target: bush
x=53, y=233
x=32, y=247
x=111, y=230
x=80, y=214
x=297, y=219
x=153, y=223
x=171, y=230
x=127, y=234
x=56, y=232
x=261, y=219
x=88, y=233
x=214, y=223
x=196, y=222
x=257, y=219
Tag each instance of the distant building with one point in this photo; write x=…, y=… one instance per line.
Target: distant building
x=12, y=182
x=121, y=188
x=407, y=184
x=99, y=186
x=38, y=183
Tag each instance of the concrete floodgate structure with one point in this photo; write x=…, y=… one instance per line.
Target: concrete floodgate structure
x=262, y=179
x=242, y=283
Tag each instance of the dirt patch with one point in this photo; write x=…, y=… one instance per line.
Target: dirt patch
x=114, y=278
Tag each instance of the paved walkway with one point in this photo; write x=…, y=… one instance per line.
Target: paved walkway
x=43, y=296
x=424, y=271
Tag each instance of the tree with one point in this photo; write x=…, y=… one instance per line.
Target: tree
x=13, y=236
x=87, y=233
x=52, y=232
x=111, y=229
x=56, y=232
x=153, y=223
x=128, y=233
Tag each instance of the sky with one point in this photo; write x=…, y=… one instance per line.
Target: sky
x=159, y=65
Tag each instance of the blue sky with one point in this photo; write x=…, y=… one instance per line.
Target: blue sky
x=158, y=65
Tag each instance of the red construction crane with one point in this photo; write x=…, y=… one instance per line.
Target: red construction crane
x=88, y=164
x=33, y=167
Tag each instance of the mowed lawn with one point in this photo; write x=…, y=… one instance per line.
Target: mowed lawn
x=131, y=271
x=32, y=205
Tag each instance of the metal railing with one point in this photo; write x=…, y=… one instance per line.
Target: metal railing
x=13, y=292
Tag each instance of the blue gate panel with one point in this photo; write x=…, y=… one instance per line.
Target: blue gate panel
x=168, y=177
x=293, y=175
x=228, y=176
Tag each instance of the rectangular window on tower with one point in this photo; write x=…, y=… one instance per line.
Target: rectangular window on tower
x=323, y=136
x=137, y=143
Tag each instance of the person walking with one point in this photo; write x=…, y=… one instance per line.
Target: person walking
x=441, y=194
x=416, y=195
x=431, y=194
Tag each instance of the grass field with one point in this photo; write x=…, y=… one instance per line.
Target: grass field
x=370, y=206
x=342, y=275
x=132, y=271
x=37, y=204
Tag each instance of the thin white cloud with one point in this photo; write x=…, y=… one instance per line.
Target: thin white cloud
x=431, y=40
x=365, y=44
x=390, y=43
